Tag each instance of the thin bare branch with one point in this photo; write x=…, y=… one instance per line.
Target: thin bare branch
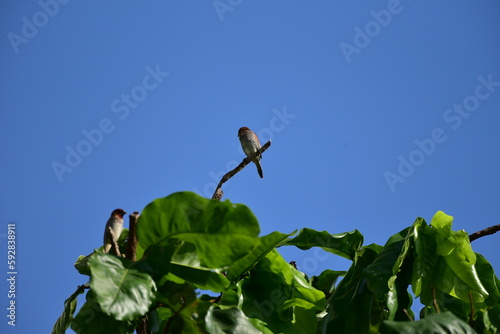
x=487, y=231
x=408, y=314
x=218, y=191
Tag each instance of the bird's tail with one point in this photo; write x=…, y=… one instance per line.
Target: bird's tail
x=259, y=170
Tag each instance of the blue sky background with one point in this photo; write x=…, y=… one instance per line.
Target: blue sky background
x=344, y=108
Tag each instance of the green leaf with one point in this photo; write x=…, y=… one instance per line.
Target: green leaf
x=231, y=320
x=389, y=275
x=203, y=278
x=91, y=320
x=221, y=232
x=278, y=294
x=441, y=220
x=82, y=264
x=492, y=318
x=293, y=282
x=425, y=263
x=175, y=295
x=457, y=273
x=447, y=281
x=157, y=261
x=263, y=246
x=187, y=319
x=121, y=290
x=326, y=280
x=489, y=280
x=355, y=317
x=69, y=309
x=164, y=313
x=352, y=296
x=444, y=323
x=342, y=244
x=219, y=250
x=385, y=267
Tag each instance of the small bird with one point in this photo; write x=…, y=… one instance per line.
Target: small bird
x=115, y=223
x=250, y=144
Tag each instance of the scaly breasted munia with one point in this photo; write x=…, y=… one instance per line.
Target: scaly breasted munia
x=115, y=222
x=250, y=144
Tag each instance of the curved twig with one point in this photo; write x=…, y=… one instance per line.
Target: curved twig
x=218, y=191
x=487, y=231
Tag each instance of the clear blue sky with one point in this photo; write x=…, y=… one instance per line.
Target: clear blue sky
x=379, y=112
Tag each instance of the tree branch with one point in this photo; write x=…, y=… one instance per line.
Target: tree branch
x=132, y=236
x=142, y=325
x=218, y=191
x=408, y=314
x=487, y=231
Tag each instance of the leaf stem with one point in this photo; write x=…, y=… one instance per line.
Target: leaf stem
x=434, y=300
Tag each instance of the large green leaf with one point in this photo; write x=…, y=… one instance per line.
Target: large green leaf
x=175, y=296
x=91, y=320
x=489, y=280
x=121, y=290
x=263, y=246
x=425, y=262
x=158, y=262
x=389, y=275
x=342, y=244
x=82, y=264
x=443, y=323
x=352, y=296
x=277, y=293
x=457, y=273
x=230, y=320
x=203, y=278
x=69, y=309
x=221, y=232
x=326, y=280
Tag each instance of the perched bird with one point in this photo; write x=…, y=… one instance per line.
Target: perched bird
x=250, y=144
x=115, y=223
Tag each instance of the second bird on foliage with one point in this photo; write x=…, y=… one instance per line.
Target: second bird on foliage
x=115, y=222
x=250, y=144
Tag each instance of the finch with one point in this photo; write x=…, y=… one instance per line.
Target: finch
x=115, y=223
x=250, y=144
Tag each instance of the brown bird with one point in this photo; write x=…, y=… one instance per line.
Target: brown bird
x=250, y=144
x=115, y=222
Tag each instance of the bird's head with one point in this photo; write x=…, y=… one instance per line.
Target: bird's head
x=242, y=130
x=118, y=212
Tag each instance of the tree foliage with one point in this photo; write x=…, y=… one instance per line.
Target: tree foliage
x=189, y=244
